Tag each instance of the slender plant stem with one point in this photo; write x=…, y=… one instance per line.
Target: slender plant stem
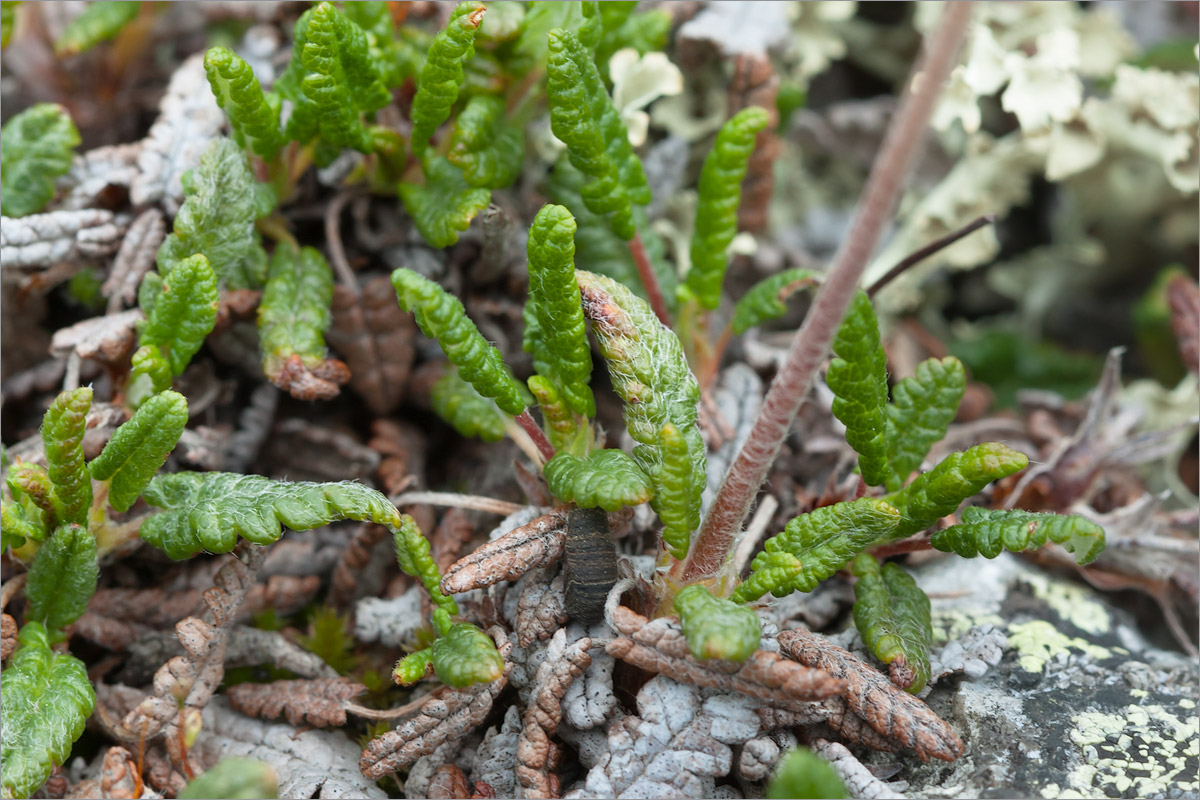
x=333, y=238
x=451, y=500
x=911, y=260
x=536, y=433
x=811, y=344
x=649, y=280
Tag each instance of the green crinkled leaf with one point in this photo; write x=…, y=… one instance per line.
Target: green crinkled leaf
x=208, y=511
x=140, y=447
x=922, y=407
x=98, y=23
x=505, y=21
x=986, y=532
x=47, y=699
x=934, y=494
x=375, y=19
x=466, y=656
x=253, y=121
x=858, y=379
x=644, y=31
x=294, y=313
x=803, y=773
x=774, y=571
x=35, y=148
x=823, y=540
x=62, y=578
x=413, y=667
x=331, y=80
x=217, y=220
x=233, y=779
x=892, y=616
x=530, y=48
x=445, y=205
x=766, y=299
x=565, y=429
x=63, y=426
x=489, y=151
x=554, y=300
x=442, y=317
x=455, y=401
x=183, y=315
x=150, y=373
x=8, y=19
x=17, y=525
x=413, y=555
x=610, y=479
x=717, y=628
x=583, y=117
x=720, y=195
x=442, y=74
x=649, y=372
x=32, y=487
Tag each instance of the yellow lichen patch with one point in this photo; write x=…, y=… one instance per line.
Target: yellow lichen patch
x=1138, y=751
x=949, y=625
x=1038, y=641
x=1075, y=604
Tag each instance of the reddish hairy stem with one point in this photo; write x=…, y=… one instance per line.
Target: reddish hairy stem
x=811, y=343
x=535, y=432
x=649, y=281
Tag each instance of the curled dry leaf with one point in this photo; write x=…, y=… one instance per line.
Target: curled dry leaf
x=541, y=608
x=1183, y=298
x=320, y=382
x=134, y=258
x=564, y=663
x=43, y=240
x=319, y=703
x=760, y=755
x=93, y=173
x=659, y=646
x=857, y=778
x=401, y=447
x=235, y=305
x=890, y=711
x=119, y=776
x=448, y=715
x=534, y=544
x=8, y=636
x=448, y=782
x=375, y=337
x=109, y=338
x=453, y=532
x=188, y=121
x=590, y=700
x=354, y=559
x=755, y=83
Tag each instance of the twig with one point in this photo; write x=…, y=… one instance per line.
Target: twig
x=536, y=434
x=10, y=588
x=405, y=710
x=451, y=500
x=748, y=544
x=649, y=280
x=71, y=379
x=925, y=252
x=811, y=343
x=333, y=238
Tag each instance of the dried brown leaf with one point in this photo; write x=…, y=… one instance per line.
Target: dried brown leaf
x=134, y=259
x=534, y=544
x=448, y=714
x=401, y=447
x=564, y=663
x=376, y=338
x=888, y=710
x=755, y=83
x=448, y=782
x=541, y=609
x=235, y=305
x=319, y=703
x=120, y=778
x=343, y=587
x=453, y=532
x=110, y=338
x=659, y=646
x=8, y=636
x=1183, y=298
x=109, y=633
x=320, y=382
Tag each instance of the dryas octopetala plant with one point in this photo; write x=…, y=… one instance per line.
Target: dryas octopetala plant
x=591, y=260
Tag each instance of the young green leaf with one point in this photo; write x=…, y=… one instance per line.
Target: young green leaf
x=466, y=656
x=98, y=23
x=253, y=120
x=940, y=491
x=455, y=401
x=150, y=373
x=720, y=195
x=644, y=31
x=649, y=372
x=35, y=148
x=773, y=572
x=858, y=379
x=766, y=299
x=62, y=578
x=375, y=19
x=292, y=319
x=441, y=316
x=716, y=628
x=442, y=74
x=208, y=511
x=139, y=448
x=609, y=479
x=986, y=532
x=32, y=487
x=583, y=117
x=17, y=525
x=485, y=147
x=413, y=555
x=892, y=616
x=823, y=540
x=63, y=427
x=217, y=220
x=802, y=773
x=922, y=407
x=47, y=698
x=413, y=667
x=555, y=302
x=233, y=778
x=183, y=314
x=445, y=205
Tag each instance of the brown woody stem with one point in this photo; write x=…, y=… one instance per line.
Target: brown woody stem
x=925, y=252
x=810, y=346
x=649, y=280
x=536, y=433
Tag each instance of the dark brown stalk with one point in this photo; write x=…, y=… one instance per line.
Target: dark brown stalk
x=925, y=252
x=811, y=343
x=649, y=281
x=535, y=432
